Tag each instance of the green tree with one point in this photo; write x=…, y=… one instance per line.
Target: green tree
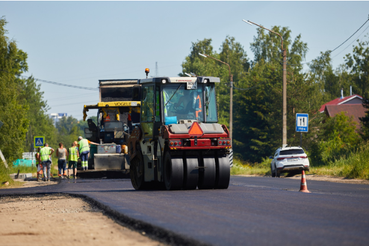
x=39, y=122
x=365, y=121
x=68, y=130
x=337, y=138
x=259, y=109
x=12, y=111
x=232, y=53
x=358, y=64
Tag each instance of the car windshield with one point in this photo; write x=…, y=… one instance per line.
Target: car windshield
x=292, y=152
x=183, y=104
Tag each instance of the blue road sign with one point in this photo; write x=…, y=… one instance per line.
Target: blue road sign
x=38, y=141
x=302, y=122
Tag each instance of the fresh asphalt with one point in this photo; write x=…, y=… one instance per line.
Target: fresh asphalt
x=252, y=211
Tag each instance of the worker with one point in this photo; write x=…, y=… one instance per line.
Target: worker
x=129, y=123
x=38, y=164
x=62, y=154
x=198, y=106
x=84, y=150
x=45, y=156
x=73, y=157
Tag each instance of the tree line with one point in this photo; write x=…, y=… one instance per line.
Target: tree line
x=23, y=111
x=257, y=99
x=257, y=113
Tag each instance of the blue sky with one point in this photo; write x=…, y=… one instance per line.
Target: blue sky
x=79, y=43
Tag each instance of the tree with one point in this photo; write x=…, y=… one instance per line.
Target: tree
x=39, y=122
x=194, y=64
x=358, y=64
x=365, y=121
x=68, y=130
x=259, y=108
x=337, y=138
x=232, y=53
x=13, y=111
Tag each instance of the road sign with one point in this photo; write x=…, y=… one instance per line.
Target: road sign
x=38, y=141
x=302, y=122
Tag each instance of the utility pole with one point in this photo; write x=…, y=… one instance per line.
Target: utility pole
x=284, y=84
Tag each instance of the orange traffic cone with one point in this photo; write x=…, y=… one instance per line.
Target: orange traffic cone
x=303, y=187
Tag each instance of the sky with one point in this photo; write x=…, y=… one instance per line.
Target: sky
x=79, y=43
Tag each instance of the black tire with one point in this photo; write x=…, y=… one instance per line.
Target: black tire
x=191, y=173
x=136, y=173
x=277, y=173
x=272, y=171
x=223, y=172
x=208, y=174
x=173, y=172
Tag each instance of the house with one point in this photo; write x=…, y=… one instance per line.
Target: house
x=351, y=105
x=353, y=99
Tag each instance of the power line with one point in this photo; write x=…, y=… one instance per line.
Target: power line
x=61, y=84
x=350, y=36
x=350, y=43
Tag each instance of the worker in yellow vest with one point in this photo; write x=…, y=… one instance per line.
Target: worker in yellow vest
x=45, y=157
x=73, y=158
x=84, y=150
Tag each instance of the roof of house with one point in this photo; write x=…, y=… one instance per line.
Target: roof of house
x=339, y=101
x=355, y=110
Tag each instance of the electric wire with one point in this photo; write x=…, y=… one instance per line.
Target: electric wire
x=350, y=43
x=350, y=36
x=61, y=84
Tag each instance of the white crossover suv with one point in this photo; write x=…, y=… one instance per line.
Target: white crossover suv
x=289, y=160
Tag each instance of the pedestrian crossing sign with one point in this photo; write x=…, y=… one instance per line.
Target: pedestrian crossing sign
x=38, y=141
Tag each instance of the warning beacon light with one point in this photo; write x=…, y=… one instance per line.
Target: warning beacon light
x=147, y=71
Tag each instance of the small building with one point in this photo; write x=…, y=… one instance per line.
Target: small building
x=57, y=116
x=351, y=105
x=353, y=99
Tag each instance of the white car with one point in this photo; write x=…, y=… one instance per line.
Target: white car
x=289, y=160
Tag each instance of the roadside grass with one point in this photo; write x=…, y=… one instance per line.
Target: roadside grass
x=354, y=166
x=4, y=177
x=244, y=168
x=4, y=173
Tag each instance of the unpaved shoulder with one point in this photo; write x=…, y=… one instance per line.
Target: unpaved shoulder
x=61, y=220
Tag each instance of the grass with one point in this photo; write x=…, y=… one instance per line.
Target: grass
x=244, y=168
x=4, y=173
x=355, y=166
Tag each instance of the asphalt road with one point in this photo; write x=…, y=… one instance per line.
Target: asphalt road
x=252, y=211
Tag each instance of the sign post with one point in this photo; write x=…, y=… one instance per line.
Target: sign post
x=302, y=124
x=38, y=141
x=1, y=153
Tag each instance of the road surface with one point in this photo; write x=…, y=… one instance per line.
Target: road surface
x=252, y=211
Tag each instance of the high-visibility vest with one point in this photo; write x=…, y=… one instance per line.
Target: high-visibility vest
x=107, y=118
x=199, y=106
x=45, y=152
x=83, y=146
x=73, y=154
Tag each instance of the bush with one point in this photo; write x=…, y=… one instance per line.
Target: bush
x=337, y=140
x=357, y=164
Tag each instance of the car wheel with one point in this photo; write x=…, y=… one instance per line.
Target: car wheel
x=277, y=173
x=272, y=171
